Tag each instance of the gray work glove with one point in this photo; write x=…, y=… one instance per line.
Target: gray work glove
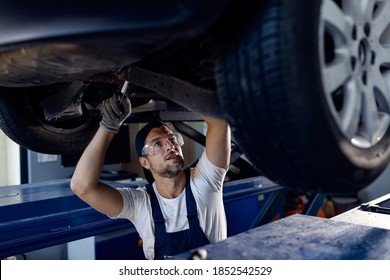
x=115, y=111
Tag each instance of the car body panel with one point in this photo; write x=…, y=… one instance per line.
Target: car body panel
x=52, y=42
x=23, y=21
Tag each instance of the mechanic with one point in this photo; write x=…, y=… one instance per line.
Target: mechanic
x=183, y=208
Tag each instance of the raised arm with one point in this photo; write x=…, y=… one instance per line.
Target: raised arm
x=85, y=180
x=218, y=141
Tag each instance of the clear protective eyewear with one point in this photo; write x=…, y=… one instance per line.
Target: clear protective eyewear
x=157, y=145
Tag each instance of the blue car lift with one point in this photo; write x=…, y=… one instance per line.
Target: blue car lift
x=36, y=216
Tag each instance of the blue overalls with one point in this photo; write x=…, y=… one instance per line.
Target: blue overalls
x=168, y=244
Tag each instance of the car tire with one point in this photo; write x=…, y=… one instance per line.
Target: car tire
x=22, y=120
x=298, y=128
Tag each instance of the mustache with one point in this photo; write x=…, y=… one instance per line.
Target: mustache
x=172, y=155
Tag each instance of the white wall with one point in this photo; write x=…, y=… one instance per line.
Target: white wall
x=9, y=161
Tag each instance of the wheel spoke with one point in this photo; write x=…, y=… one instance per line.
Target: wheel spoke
x=381, y=87
x=383, y=55
x=381, y=83
x=370, y=118
x=334, y=18
x=381, y=20
x=360, y=10
x=351, y=111
x=337, y=72
x=384, y=123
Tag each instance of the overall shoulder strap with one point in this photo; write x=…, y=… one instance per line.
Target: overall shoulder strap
x=156, y=210
x=192, y=211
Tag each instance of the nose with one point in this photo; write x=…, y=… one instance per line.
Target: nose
x=169, y=145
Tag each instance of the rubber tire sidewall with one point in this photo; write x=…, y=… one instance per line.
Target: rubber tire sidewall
x=270, y=87
x=20, y=121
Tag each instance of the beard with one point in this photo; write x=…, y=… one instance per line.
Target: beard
x=170, y=170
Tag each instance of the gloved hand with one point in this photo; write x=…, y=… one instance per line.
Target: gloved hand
x=115, y=111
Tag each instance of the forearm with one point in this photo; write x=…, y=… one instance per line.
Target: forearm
x=218, y=141
x=89, y=167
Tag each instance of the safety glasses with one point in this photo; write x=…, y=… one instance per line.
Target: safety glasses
x=158, y=145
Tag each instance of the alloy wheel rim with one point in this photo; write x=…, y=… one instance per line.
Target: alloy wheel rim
x=354, y=46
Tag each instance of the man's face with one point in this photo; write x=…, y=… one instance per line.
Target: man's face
x=166, y=158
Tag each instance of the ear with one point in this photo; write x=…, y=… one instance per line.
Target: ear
x=144, y=162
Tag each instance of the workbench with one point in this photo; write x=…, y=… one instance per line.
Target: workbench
x=357, y=234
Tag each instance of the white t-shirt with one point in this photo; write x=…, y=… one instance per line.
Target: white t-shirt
x=206, y=185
